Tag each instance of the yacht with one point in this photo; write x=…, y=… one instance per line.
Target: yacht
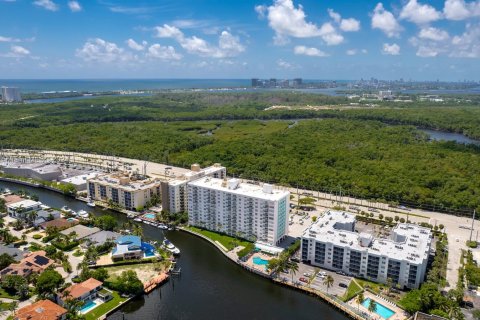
x=137, y=220
x=67, y=209
x=170, y=247
x=82, y=214
x=91, y=203
x=162, y=226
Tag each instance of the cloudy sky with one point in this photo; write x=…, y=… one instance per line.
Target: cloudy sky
x=313, y=39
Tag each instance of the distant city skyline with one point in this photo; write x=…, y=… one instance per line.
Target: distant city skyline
x=286, y=39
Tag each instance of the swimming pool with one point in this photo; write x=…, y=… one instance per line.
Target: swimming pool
x=149, y=216
x=148, y=249
x=381, y=310
x=259, y=261
x=88, y=306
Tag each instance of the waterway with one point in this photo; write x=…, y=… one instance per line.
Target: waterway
x=450, y=136
x=210, y=285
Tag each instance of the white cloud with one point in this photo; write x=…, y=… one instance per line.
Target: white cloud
x=334, y=15
x=261, y=10
x=349, y=25
x=385, y=21
x=467, y=45
x=9, y=39
x=228, y=44
x=99, y=50
x=74, y=6
x=285, y=65
x=391, y=49
x=290, y=21
x=16, y=52
x=312, y=52
x=164, y=53
x=427, y=51
x=460, y=10
x=46, y=4
x=431, y=33
x=419, y=13
x=351, y=52
x=132, y=44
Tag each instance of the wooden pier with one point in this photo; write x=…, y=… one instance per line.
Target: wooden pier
x=155, y=282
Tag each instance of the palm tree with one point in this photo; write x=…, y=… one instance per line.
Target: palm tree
x=293, y=267
x=138, y=231
x=328, y=282
x=32, y=216
x=389, y=284
x=359, y=299
x=372, y=307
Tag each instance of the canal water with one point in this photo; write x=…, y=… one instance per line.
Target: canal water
x=210, y=286
x=450, y=136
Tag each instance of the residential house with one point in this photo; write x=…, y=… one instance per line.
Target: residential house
x=127, y=247
x=85, y=291
x=36, y=262
x=41, y=310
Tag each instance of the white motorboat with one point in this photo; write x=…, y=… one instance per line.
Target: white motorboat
x=162, y=226
x=170, y=247
x=90, y=203
x=67, y=209
x=82, y=214
x=137, y=220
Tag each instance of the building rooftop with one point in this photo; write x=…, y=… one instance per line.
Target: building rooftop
x=124, y=182
x=80, y=179
x=24, y=204
x=235, y=186
x=15, y=253
x=60, y=223
x=12, y=198
x=102, y=236
x=77, y=290
x=34, y=166
x=126, y=244
x=35, y=262
x=81, y=231
x=408, y=241
x=40, y=310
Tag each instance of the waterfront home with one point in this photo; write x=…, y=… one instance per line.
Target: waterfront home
x=127, y=247
x=60, y=223
x=132, y=247
x=41, y=310
x=90, y=292
x=21, y=209
x=36, y=262
x=46, y=215
x=81, y=231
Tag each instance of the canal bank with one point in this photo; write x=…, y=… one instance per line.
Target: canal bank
x=209, y=285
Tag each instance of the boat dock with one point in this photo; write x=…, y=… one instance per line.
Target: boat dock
x=155, y=282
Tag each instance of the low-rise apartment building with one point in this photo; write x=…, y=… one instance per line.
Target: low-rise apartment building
x=21, y=209
x=253, y=212
x=333, y=243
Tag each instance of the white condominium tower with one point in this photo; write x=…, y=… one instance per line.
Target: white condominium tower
x=253, y=212
x=333, y=243
x=11, y=94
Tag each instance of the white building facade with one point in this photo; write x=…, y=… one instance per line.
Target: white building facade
x=332, y=243
x=11, y=94
x=239, y=209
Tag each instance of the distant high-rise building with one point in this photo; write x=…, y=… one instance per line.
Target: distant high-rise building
x=11, y=94
x=297, y=82
x=256, y=83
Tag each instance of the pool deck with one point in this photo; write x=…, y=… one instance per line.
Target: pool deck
x=399, y=313
x=260, y=268
x=97, y=301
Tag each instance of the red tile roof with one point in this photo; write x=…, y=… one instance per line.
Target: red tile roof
x=77, y=290
x=40, y=310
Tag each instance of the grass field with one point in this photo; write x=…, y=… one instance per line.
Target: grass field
x=227, y=241
x=352, y=290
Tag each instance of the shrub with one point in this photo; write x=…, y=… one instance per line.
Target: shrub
x=37, y=236
x=472, y=244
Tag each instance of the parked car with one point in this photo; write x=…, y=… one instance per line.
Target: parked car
x=303, y=279
x=343, y=285
x=306, y=274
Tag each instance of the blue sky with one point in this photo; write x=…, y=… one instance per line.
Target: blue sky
x=313, y=39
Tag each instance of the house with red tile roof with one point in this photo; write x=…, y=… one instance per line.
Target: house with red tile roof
x=87, y=291
x=41, y=310
x=36, y=262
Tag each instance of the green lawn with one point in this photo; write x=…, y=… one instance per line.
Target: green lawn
x=5, y=306
x=352, y=290
x=105, y=307
x=227, y=241
x=375, y=287
x=5, y=294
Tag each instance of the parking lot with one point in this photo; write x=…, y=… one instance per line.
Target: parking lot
x=307, y=272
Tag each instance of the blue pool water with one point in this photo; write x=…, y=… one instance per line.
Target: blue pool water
x=260, y=261
x=148, y=249
x=149, y=216
x=87, y=306
x=381, y=310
